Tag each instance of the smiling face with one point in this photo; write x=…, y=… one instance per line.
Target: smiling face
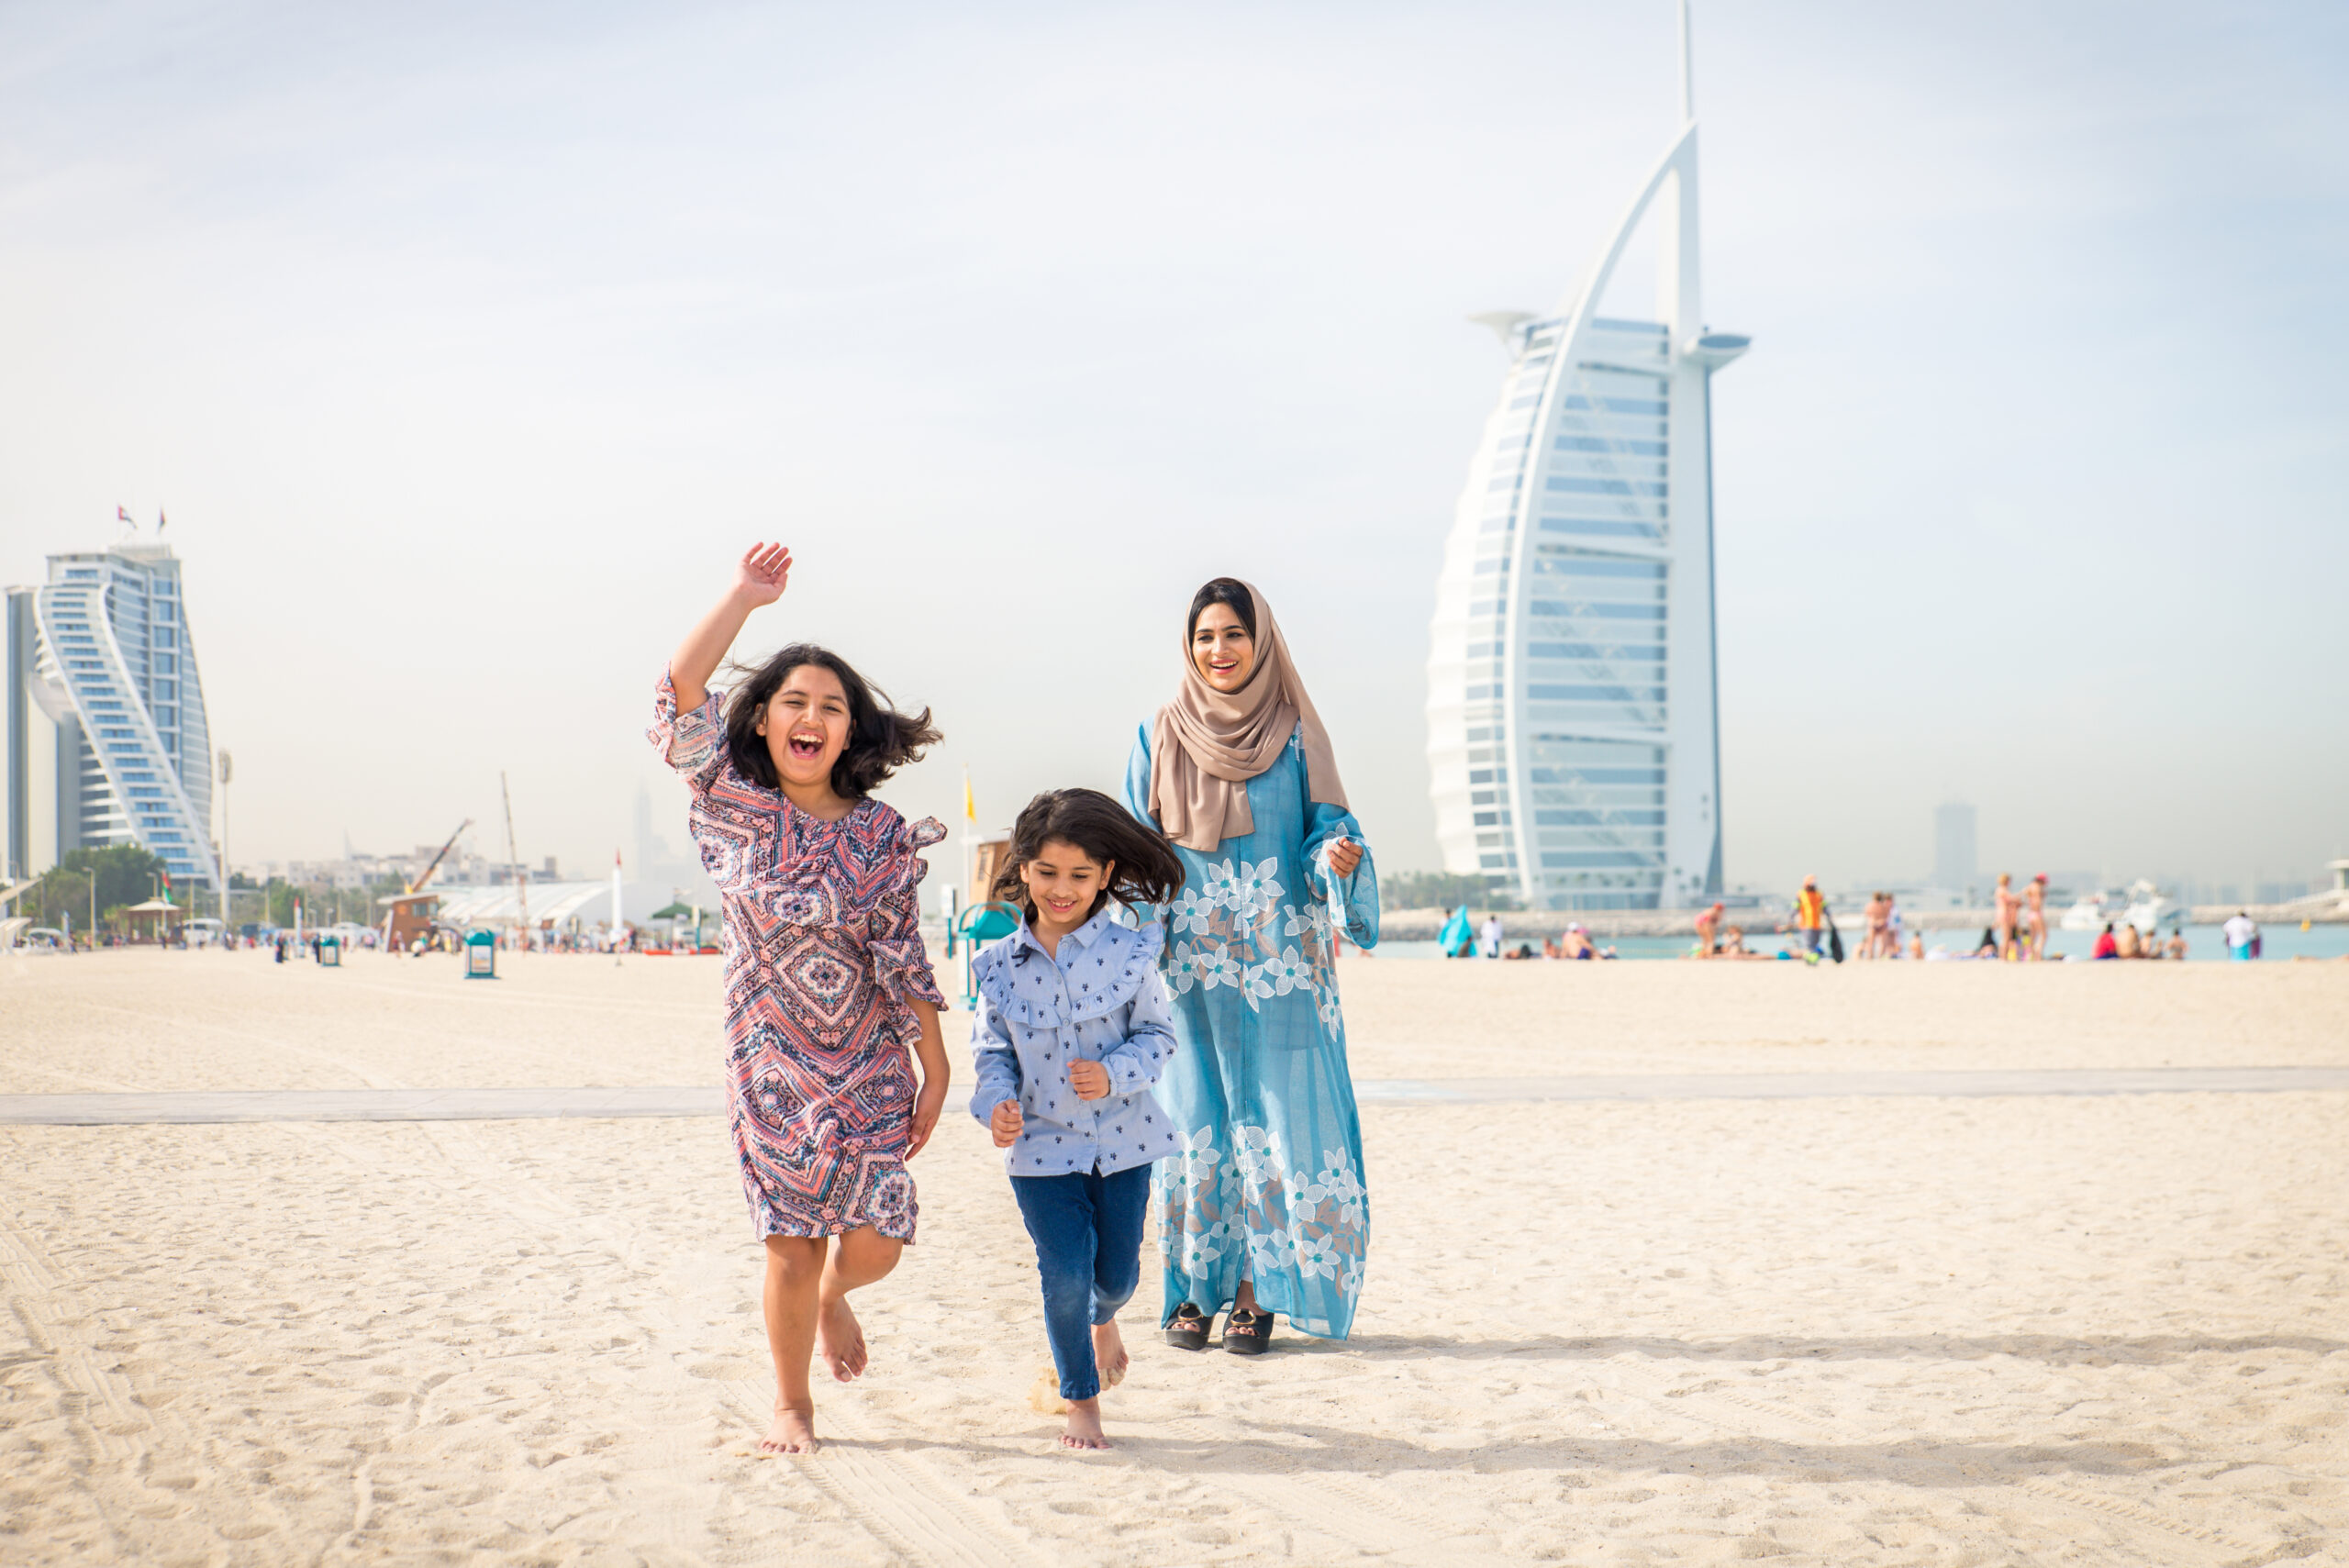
x=1062, y=881
x=1221, y=650
x=806, y=725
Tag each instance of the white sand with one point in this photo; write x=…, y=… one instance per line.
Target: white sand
x=2049, y=1329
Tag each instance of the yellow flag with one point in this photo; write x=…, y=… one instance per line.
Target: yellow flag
x=969, y=805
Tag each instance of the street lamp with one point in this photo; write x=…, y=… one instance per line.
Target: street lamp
x=227, y=772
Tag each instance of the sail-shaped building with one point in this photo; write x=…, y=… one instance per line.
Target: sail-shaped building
x=1572, y=726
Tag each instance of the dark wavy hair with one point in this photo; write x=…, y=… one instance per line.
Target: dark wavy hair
x=1222, y=591
x=1146, y=870
x=880, y=739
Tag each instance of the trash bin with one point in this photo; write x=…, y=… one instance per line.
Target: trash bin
x=331, y=952
x=481, y=956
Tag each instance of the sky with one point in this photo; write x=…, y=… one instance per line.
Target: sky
x=466, y=346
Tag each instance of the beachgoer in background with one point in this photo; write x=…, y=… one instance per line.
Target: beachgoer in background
x=1072, y=1031
x=1808, y=916
x=1458, y=938
x=2178, y=941
x=2241, y=932
x=1709, y=925
x=1264, y=1210
x=2004, y=913
x=1733, y=944
x=2106, y=945
x=2133, y=941
x=1878, y=914
x=826, y=981
x=1917, y=946
x=1493, y=933
x=2034, y=917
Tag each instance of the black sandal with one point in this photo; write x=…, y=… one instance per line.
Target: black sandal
x=1188, y=1331
x=1248, y=1333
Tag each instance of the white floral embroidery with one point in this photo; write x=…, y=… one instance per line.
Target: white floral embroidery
x=1315, y=1254
x=1258, y=1156
x=1218, y=886
x=1312, y=923
x=1331, y=1017
x=1185, y=967
x=1218, y=967
x=1189, y=912
x=1254, y=984
x=1255, y=891
x=1288, y=972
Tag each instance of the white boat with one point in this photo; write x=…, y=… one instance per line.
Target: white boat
x=2088, y=915
x=2149, y=906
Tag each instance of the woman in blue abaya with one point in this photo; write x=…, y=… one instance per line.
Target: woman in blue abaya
x=1264, y=1211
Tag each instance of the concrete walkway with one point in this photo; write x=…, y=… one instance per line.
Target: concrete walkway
x=501, y=1105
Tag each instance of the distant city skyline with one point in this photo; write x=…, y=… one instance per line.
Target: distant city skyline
x=465, y=350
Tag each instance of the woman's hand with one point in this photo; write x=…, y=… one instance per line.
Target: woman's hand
x=1089, y=1079
x=1344, y=855
x=764, y=571
x=1005, y=1123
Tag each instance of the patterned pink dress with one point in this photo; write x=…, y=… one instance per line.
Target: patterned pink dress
x=823, y=956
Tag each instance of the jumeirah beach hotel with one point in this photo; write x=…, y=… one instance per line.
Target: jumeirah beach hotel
x=1573, y=728
x=104, y=741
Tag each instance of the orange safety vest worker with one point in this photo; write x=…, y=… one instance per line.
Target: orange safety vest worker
x=1810, y=909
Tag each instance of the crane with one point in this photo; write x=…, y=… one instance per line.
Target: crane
x=521, y=881
x=404, y=924
x=425, y=876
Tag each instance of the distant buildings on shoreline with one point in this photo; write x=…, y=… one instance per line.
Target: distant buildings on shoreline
x=103, y=736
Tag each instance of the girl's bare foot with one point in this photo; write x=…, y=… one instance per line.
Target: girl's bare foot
x=1084, y=1426
x=839, y=1340
x=1110, y=1353
x=793, y=1431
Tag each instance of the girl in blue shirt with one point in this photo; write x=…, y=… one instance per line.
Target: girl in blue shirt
x=1072, y=1032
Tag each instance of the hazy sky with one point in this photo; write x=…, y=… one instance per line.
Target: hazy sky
x=466, y=346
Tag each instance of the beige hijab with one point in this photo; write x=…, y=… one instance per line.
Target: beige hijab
x=1207, y=744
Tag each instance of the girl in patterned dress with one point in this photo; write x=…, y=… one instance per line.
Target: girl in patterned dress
x=827, y=981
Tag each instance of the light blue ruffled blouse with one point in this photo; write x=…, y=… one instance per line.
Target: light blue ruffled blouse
x=1101, y=1000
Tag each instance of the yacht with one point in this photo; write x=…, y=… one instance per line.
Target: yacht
x=2149, y=906
x=2088, y=915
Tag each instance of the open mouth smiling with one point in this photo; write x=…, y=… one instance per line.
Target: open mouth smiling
x=805, y=747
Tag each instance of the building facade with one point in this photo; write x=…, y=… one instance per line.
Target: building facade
x=1573, y=725
x=106, y=736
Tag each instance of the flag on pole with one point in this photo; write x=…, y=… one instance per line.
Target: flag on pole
x=970, y=803
x=122, y=516
x=160, y=519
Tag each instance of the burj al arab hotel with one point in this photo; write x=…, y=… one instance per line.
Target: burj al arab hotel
x=1572, y=729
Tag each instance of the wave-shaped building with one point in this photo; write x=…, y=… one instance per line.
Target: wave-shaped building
x=106, y=740
x=1573, y=725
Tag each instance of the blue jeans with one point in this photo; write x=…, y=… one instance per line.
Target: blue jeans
x=1087, y=1230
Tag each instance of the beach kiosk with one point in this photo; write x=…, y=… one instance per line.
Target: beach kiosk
x=481, y=956
x=978, y=925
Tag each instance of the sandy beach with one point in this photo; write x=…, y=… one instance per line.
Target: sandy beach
x=2105, y=1329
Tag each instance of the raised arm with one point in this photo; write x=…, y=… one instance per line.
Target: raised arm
x=758, y=579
